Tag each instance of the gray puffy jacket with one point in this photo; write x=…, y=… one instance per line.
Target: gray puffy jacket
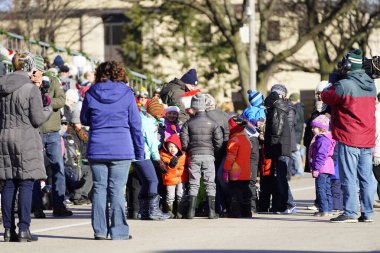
x=21, y=113
x=201, y=135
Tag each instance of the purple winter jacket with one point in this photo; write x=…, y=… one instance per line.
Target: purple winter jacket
x=110, y=109
x=322, y=151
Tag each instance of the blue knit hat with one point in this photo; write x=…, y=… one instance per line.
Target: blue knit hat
x=58, y=61
x=190, y=77
x=255, y=97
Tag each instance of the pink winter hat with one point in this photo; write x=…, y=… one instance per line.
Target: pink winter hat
x=321, y=121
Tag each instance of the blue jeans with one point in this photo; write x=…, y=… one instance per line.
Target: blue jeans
x=325, y=200
x=110, y=178
x=52, y=144
x=147, y=176
x=8, y=199
x=355, y=168
x=297, y=162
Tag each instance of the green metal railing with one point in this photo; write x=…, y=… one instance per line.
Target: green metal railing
x=17, y=42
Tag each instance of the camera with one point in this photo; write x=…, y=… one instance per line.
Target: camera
x=45, y=85
x=372, y=67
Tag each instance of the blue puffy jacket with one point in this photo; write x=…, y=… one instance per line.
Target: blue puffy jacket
x=110, y=109
x=254, y=113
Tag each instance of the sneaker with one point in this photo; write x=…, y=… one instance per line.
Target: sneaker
x=313, y=208
x=322, y=214
x=67, y=202
x=62, y=212
x=291, y=210
x=343, y=219
x=363, y=219
x=81, y=201
x=39, y=214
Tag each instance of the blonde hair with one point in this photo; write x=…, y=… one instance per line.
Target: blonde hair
x=227, y=106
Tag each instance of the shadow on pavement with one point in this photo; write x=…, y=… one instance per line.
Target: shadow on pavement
x=258, y=251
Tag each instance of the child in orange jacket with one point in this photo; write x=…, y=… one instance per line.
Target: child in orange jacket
x=173, y=179
x=237, y=172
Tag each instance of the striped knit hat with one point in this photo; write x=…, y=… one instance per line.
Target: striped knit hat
x=355, y=57
x=255, y=98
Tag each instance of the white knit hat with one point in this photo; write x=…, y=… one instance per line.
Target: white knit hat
x=321, y=86
x=172, y=108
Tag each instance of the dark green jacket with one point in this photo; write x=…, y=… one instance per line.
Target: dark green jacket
x=58, y=99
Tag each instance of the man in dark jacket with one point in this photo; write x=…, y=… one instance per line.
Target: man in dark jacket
x=353, y=105
x=278, y=148
x=172, y=92
x=201, y=137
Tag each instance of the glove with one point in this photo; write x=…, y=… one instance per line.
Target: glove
x=315, y=173
x=46, y=100
x=161, y=166
x=225, y=176
x=173, y=162
x=376, y=161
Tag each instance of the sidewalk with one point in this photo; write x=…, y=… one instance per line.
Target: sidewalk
x=263, y=233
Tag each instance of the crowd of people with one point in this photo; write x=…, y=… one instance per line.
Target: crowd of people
x=174, y=154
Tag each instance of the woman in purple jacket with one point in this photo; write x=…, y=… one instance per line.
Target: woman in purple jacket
x=115, y=138
x=321, y=163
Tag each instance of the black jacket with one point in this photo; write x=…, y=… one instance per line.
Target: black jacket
x=300, y=120
x=171, y=94
x=292, y=125
x=221, y=118
x=201, y=135
x=277, y=131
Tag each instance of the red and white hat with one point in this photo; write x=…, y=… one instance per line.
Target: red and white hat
x=186, y=98
x=6, y=54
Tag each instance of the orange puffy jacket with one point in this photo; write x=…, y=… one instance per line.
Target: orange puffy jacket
x=178, y=174
x=238, y=160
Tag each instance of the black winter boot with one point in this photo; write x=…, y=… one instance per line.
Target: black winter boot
x=178, y=213
x=26, y=236
x=144, y=209
x=155, y=212
x=10, y=235
x=234, y=211
x=211, y=206
x=191, y=211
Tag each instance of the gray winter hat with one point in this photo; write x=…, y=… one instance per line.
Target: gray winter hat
x=210, y=102
x=280, y=89
x=198, y=102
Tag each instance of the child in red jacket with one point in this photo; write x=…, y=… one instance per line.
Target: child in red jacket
x=176, y=175
x=237, y=172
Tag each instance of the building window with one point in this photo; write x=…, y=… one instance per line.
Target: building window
x=114, y=33
x=274, y=30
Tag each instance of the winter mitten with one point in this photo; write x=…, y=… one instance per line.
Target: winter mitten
x=162, y=167
x=225, y=176
x=315, y=173
x=173, y=162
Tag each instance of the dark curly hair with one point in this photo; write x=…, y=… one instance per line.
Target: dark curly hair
x=110, y=70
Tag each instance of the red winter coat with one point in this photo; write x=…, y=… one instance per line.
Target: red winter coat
x=352, y=102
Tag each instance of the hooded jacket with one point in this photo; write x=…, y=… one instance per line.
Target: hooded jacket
x=277, y=131
x=171, y=94
x=238, y=157
x=150, y=133
x=322, y=150
x=58, y=99
x=177, y=174
x=109, y=108
x=21, y=113
x=353, y=106
x=254, y=113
